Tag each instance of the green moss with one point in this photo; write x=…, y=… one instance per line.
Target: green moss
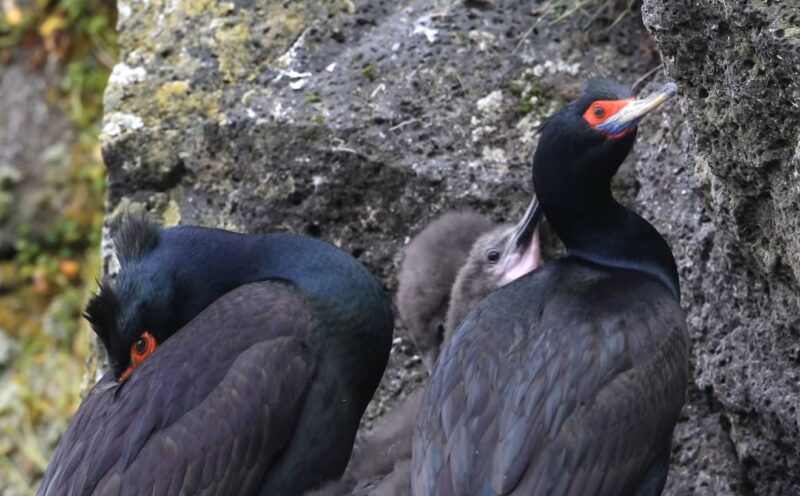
x=312, y=134
x=313, y=98
x=6, y=205
x=87, y=28
x=535, y=91
x=516, y=88
x=525, y=107
x=370, y=71
x=530, y=95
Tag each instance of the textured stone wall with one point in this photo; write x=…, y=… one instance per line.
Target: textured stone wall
x=359, y=122
x=738, y=64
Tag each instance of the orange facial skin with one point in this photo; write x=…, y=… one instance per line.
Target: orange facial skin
x=602, y=110
x=140, y=350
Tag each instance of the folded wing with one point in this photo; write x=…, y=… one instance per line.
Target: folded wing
x=207, y=413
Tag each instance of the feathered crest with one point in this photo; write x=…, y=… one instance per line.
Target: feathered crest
x=102, y=311
x=134, y=236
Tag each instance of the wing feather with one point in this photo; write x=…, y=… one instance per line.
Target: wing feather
x=206, y=414
x=578, y=402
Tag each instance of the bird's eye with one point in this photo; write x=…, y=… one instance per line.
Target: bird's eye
x=600, y=115
x=140, y=349
x=493, y=256
x=140, y=346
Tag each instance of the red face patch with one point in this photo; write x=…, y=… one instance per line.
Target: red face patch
x=602, y=110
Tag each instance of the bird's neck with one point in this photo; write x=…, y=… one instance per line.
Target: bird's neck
x=609, y=234
x=218, y=261
x=327, y=274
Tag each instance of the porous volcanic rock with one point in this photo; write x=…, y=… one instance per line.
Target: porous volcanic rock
x=738, y=65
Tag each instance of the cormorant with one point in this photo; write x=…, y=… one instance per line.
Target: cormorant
x=381, y=465
x=498, y=257
x=431, y=262
x=452, y=264
x=241, y=364
x=570, y=379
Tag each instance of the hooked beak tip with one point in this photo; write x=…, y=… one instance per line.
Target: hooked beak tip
x=525, y=230
x=525, y=242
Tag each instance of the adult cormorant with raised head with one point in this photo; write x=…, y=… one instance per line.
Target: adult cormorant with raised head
x=569, y=380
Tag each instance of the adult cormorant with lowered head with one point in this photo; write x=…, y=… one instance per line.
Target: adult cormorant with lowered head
x=241, y=364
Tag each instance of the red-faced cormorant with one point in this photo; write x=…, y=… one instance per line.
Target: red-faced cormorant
x=570, y=379
x=381, y=466
x=241, y=364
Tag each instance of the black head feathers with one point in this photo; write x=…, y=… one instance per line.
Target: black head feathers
x=134, y=236
x=102, y=311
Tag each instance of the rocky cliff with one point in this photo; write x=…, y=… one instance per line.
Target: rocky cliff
x=738, y=65
x=359, y=122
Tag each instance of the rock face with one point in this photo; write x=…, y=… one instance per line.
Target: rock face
x=739, y=68
x=359, y=122
x=738, y=65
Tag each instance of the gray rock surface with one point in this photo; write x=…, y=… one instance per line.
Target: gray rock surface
x=738, y=65
x=359, y=122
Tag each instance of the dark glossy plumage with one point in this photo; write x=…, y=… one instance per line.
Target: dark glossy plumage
x=591, y=358
x=570, y=380
x=261, y=392
x=197, y=416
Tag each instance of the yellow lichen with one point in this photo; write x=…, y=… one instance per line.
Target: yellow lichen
x=172, y=214
x=171, y=90
x=234, y=58
x=198, y=7
x=177, y=100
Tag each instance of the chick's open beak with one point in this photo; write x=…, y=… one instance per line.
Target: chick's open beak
x=524, y=244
